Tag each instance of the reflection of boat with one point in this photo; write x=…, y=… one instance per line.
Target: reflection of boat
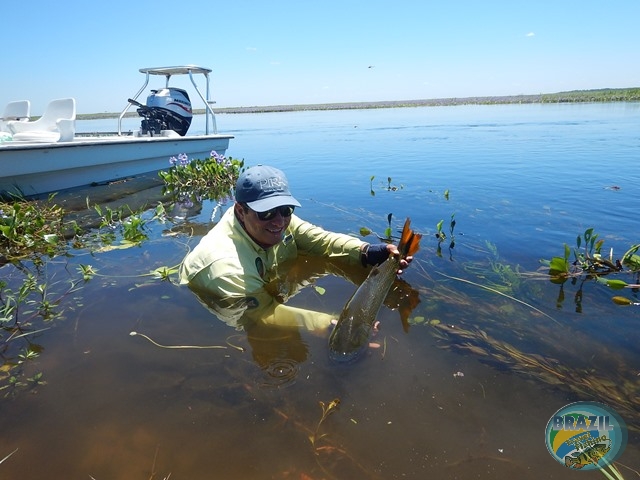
x=48, y=155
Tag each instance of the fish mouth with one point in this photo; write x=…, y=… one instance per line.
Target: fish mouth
x=346, y=357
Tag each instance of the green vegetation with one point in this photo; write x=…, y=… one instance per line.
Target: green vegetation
x=30, y=300
x=30, y=228
x=509, y=331
x=601, y=95
x=24, y=313
x=441, y=236
x=197, y=180
x=589, y=263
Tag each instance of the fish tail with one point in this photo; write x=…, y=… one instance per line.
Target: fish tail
x=409, y=240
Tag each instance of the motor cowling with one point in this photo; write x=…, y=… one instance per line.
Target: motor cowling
x=166, y=109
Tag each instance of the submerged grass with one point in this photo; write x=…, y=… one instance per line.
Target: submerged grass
x=492, y=330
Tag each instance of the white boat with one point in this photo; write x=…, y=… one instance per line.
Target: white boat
x=47, y=155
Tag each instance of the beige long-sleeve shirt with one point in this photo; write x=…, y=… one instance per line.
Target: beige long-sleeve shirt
x=230, y=272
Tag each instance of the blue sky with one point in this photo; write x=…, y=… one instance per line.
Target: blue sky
x=292, y=52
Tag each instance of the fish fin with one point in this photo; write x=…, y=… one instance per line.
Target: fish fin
x=409, y=240
x=404, y=317
x=406, y=305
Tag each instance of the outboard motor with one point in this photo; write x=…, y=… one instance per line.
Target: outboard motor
x=166, y=109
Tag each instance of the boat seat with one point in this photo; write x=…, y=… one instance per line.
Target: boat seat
x=17, y=111
x=57, y=124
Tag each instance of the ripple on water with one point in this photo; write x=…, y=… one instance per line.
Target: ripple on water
x=280, y=372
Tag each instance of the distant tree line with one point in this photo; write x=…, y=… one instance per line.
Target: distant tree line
x=601, y=95
x=574, y=96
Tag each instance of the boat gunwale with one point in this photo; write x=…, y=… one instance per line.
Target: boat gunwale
x=106, y=141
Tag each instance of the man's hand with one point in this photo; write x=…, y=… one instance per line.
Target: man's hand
x=404, y=263
x=377, y=253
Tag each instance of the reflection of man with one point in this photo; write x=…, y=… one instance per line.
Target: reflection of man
x=233, y=264
x=271, y=343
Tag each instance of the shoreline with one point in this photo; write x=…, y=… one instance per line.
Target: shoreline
x=434, y=102
x=577, y=96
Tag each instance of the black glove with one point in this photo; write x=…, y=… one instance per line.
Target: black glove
x=374, y=254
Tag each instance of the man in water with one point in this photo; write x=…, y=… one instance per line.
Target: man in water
x=252, y=246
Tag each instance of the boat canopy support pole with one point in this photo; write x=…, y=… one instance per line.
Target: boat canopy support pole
x=207, y=104
x=126, y=109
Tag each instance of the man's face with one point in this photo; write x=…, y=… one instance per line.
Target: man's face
x=265, y=233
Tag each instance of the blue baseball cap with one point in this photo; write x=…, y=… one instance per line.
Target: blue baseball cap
x=263, y=188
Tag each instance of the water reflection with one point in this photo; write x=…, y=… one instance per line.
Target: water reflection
x=275, y=340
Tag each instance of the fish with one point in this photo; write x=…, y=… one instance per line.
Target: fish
x=350, y=337
x=589, y=456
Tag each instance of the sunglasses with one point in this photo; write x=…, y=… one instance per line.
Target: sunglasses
x=284, y=210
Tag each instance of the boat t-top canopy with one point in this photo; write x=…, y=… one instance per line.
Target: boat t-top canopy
x=168, y=72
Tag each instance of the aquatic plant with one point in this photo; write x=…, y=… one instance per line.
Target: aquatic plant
x=441, y=236
x=24, y=312
x=501, y=333
x=32, y=229
x=388, y=231
x=617, y=387
x=327, y=452
x=389, y=187
x=130, y=225
x=29, y=229
x=588, y=258
x=327, y=409
x=589, y=263
x=615, y=473
x=30, y=302
x=212, y=178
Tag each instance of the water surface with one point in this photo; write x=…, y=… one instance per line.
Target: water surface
x=493, y=351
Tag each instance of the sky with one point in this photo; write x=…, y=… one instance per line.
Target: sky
x=282, y=52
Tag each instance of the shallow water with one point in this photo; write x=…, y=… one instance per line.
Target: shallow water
x=466, y=393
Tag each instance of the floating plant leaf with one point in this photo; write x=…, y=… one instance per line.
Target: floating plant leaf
x=632, y=261
x=616, y=284
x=51, y=238
x=621, y=300
x=558, y=266
x=612, y=283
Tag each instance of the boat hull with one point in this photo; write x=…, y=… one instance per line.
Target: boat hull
x=31, y=169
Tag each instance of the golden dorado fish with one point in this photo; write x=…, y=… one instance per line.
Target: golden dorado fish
x=590, y=456
x=350, y=337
